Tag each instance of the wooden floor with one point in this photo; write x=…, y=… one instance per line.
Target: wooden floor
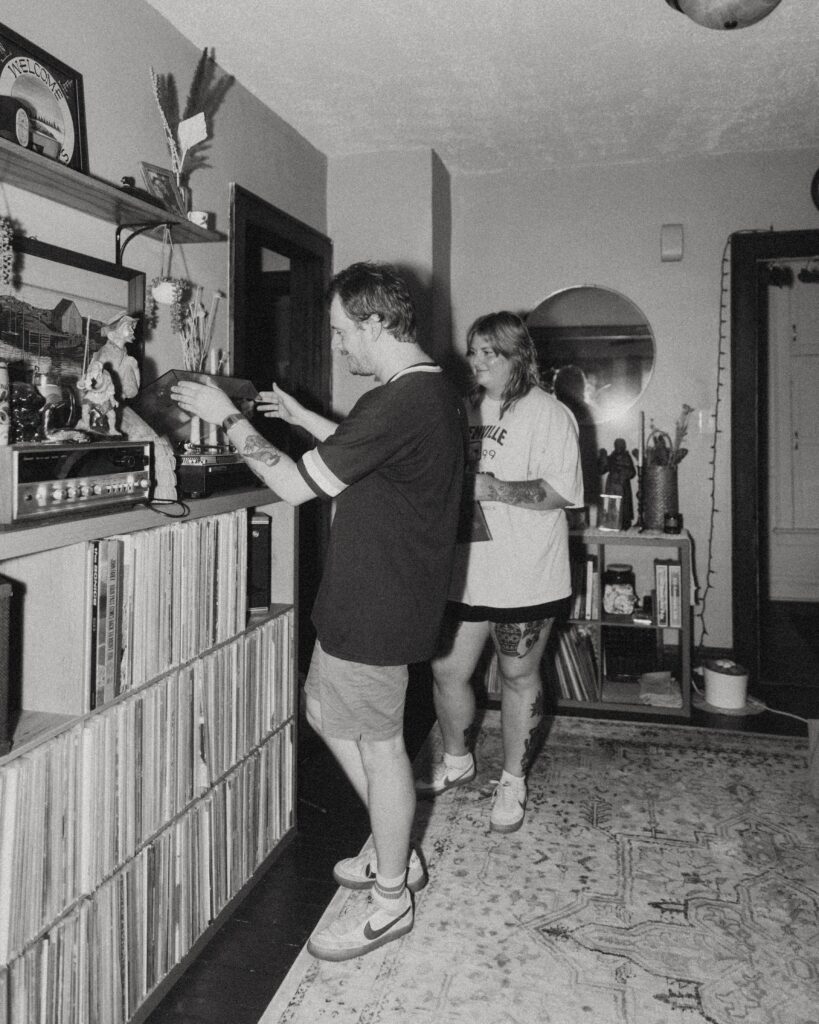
x=245, y=962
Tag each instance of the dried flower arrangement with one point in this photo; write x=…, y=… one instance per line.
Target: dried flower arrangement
x=196, y=330
x=660, y=450
x=186, y=135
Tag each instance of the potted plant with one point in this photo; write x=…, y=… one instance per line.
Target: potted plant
x=659, y=473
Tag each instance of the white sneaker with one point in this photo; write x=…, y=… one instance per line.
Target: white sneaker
x=359, y=872
x=442, y=778
x=508, y=806
x=357, y=934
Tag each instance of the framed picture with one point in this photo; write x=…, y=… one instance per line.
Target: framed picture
x=51, y=94
x=52, y=314
x=161, y=183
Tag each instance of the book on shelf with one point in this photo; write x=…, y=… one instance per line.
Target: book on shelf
x=575, y=663
x=103, y=633
x=91, y=624
x=578, y=580
x=661, y=590
x=592, y=588
x=585, y=587
x=675, y=594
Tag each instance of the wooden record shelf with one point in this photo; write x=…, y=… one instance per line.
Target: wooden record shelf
x=51, y=180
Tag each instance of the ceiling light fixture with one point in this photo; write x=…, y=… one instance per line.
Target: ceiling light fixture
x=724, y=14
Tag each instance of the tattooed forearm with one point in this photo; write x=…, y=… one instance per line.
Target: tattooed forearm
x=517, y=492
x=256, y=449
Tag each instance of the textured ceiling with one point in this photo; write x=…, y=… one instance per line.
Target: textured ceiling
x=492, y=84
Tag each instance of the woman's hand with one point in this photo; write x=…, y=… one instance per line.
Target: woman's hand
x=277, y=404
x=207, y=401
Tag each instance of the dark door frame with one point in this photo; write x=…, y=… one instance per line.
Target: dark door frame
x=256, y=224
x=311, y=255
x=750, y=253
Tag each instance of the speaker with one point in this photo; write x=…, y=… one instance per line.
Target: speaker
x=258, y=562
x=5, y=723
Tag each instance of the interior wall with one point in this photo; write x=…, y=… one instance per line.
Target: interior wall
x=521, y=236
x=382, y=207
x=113, y=49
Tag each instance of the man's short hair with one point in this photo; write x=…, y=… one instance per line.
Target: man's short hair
x=367, y=289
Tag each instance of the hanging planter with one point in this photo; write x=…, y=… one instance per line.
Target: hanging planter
x=167, y=290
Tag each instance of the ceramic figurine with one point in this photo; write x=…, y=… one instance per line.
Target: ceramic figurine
x=123, y=368
x=621, y=471
x=98, y=400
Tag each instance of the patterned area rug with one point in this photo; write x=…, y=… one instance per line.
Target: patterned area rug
x=664, y=875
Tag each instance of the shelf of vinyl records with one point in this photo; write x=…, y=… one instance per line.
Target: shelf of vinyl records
x=637, y=662
x=162, y=778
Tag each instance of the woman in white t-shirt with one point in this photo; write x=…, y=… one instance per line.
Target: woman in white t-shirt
x=511, y=575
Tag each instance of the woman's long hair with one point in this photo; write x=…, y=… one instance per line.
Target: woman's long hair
x=507, y=336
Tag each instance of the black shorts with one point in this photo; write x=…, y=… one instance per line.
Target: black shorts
x=485, y=613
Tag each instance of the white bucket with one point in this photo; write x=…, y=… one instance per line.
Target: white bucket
x=726, y=684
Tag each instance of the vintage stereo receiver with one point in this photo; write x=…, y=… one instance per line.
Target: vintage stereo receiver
x=40, y=481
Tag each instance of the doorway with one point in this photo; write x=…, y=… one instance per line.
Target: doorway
x=775, y=356
x=279, y=272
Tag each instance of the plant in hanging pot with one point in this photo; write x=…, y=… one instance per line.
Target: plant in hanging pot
x=171, y=292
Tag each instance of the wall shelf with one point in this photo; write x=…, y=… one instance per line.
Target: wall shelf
x=51, y=180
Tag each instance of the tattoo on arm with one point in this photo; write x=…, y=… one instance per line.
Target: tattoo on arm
x=256, y=450
x=518, y=492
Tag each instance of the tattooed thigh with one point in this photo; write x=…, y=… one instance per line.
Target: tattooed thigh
x=516, y=639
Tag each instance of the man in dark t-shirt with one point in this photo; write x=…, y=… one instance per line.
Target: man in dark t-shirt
x=394, y=468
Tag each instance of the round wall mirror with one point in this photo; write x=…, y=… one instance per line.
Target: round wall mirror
x=596, y=350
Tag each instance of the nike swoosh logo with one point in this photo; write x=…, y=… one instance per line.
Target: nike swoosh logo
x=376, y=933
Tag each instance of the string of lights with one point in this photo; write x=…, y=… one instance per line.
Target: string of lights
x=720, y=384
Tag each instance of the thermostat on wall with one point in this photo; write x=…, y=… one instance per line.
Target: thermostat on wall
x=671, y=242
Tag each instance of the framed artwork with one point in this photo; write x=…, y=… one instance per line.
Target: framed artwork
x=161, y=183
x=49, y=96
x=53, y=312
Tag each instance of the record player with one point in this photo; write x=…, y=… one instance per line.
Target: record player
x=206, y=462
x=203, y=469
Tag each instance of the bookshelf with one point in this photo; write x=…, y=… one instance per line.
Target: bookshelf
x=129, y=830
x=602, y=662
x=625, y=661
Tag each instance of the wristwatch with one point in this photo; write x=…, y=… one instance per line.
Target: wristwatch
x=228, y=421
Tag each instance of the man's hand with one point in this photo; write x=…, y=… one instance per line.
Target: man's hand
x=277, y=404
x=207, y=401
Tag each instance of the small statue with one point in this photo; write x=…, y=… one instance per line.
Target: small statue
x=98, y=400
x=621, y=471
x=123, y=368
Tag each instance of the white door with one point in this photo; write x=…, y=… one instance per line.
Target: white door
x=793, y=462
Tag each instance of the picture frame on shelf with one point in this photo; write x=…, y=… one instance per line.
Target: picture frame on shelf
x=161, y=183
x=59, y=301
x=49, y=95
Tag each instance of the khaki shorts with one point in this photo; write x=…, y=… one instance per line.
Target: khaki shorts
x=357, y=702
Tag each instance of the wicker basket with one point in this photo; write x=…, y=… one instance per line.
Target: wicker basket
x=659, y=487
